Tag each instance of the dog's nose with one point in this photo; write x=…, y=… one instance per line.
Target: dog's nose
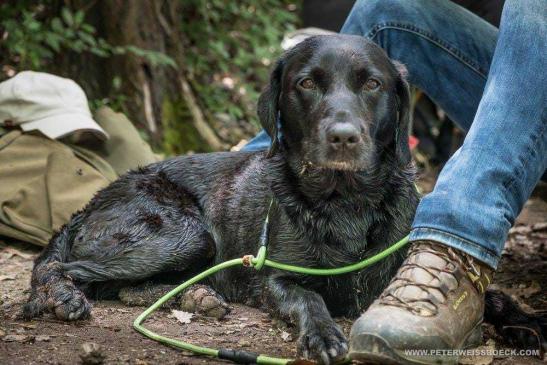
x=343, y=134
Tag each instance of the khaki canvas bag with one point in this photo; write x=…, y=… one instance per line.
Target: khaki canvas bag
x=44, y=181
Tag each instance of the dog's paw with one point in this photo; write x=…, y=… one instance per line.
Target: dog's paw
x=204, y=300
x=323, y=342
x=530, y=334
x=67, y=302
x=36, y=304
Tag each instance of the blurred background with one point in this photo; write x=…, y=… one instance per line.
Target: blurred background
x=187, y=73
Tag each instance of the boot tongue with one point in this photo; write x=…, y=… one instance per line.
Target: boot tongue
x=419, y=280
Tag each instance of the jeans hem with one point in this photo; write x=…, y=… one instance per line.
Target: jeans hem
x=449, y=239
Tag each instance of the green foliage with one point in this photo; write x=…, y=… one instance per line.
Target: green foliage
x=230, y=48
x=179, y=137
x=33, y=36
x=116, y=101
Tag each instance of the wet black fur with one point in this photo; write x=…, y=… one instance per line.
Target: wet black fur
x=195, y=211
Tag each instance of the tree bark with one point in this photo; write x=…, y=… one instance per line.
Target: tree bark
x=150, y=89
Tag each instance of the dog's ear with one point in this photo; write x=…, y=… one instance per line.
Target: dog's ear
x=402, y=130
x=268, y=106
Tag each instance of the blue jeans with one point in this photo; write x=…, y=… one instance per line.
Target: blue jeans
x=493, y=85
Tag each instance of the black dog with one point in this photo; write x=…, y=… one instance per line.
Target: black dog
x=340, y=174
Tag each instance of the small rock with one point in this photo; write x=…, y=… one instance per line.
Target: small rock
x=42, y=338
x=92, y=354
x=243, y=343
x=2, y=332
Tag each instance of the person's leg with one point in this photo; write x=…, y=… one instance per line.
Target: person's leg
x=436, y=300
x=260, y=142
x=484, y=186
x=447, y=51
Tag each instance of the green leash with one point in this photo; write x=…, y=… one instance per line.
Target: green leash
x=258, y=262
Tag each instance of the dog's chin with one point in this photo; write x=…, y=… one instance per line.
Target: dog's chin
x=341, y=165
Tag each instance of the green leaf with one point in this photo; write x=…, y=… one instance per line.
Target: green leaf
x=57, y=26
x=99, y=52
x=78, y=18
x=53, y=40
x=88, y=28
x=66, y=14
x=89, y=39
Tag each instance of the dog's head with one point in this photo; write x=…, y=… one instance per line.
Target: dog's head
x=341, y=104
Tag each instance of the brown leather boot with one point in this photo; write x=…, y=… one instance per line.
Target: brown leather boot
x=435, y=302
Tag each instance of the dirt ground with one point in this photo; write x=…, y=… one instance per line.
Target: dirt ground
x=523, y=274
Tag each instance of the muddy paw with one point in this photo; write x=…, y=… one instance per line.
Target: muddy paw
x=204, y=300
x=67, y=302
x=35, y=305
x=323, y=342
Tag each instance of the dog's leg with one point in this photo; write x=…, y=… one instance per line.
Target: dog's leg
x=126, y=249
x=52, y=289
x=320, y=337
x=519, y=328
x=198, y=298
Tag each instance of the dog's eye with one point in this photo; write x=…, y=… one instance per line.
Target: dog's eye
x=372, y=84
x=307, y=83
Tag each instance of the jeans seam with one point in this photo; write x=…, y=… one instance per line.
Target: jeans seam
x=508, y=185
x=429, y=37
x=465, y=240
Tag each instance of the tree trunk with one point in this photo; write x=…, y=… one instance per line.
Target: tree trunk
x=155, y=94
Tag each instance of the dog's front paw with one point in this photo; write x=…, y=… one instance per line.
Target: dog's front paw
x=36, y=304
x=67, y=302
x=323, y=342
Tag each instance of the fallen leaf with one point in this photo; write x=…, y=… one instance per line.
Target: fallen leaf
x=286, y=336
x=14, y=252
x=539, y=226
x=27, y=325
x=520, y=230
x=523, y=291
x=182, y=316
x=17, y=338
x=7, y=277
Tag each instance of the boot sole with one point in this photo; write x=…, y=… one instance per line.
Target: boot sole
x=373, y=349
